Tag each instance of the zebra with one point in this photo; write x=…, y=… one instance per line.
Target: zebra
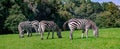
x=25, y=26
x=83, y=24
x=49, y=26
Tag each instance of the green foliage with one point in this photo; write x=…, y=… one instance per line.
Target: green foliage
x=97, y=7
x=104, y=14
x=4, y=13
x=14, y=19
x=26, y=9
x=109, y=17
x=12, y=22
x=81, y=10
x=109, y=39
x=104, y=19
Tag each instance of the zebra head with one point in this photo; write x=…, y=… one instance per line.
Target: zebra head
x=59, y=33
x=95, y=32
x=95, y=29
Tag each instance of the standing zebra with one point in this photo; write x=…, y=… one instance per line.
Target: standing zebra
x=50, y=26
x=25, y=26
x=83, y=24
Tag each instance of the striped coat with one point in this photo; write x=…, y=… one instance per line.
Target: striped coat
x=25, y=26
x=35, y=25
x=49, y=26
x=84, y=24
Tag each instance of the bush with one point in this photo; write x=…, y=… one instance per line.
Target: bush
x=12, y=22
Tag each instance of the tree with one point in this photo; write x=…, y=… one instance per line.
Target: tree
x=15, y=17
x=104, y=14
x=4, y=12
x=97, y=7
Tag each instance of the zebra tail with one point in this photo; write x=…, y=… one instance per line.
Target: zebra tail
x=64, y=25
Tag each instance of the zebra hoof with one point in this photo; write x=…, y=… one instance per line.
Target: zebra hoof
x=59, y=37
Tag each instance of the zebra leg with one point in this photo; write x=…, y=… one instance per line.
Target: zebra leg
x=86, y=31
x=30, y=33
x=39, y=30
x=94, y=32
x=21, y=34
x=48, y=34
x=41, y=35
x=71, y=30
x=36, y=30
x=42, y=32
x=82, y=33
x=27, y=33
x=71, y=36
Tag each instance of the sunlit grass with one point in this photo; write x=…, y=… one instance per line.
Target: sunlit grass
x=109, y=39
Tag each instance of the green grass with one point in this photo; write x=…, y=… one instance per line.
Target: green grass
x=109, y=39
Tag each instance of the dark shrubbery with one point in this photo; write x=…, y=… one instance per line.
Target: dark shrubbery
x=14, y=11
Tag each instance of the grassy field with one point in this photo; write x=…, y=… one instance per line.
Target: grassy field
x=109, y=39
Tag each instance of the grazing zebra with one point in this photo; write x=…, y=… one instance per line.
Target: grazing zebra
x=50, y=26
x=25, y=26
x=83, y=24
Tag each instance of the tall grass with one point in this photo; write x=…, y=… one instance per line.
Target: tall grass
x=109, y=39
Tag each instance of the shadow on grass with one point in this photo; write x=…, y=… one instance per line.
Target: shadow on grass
x=84, y=38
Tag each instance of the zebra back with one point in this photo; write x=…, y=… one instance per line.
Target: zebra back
x=25, y=25
x=84, y=24
x=49, y=25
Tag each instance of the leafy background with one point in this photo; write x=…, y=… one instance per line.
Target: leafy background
x=12, y=12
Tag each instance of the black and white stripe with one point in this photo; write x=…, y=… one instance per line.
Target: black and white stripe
x=35, y=25
x=83, y=24
x=27, y=26
x=49, y=26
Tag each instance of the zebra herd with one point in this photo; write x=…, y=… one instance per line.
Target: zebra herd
x=74, y=23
